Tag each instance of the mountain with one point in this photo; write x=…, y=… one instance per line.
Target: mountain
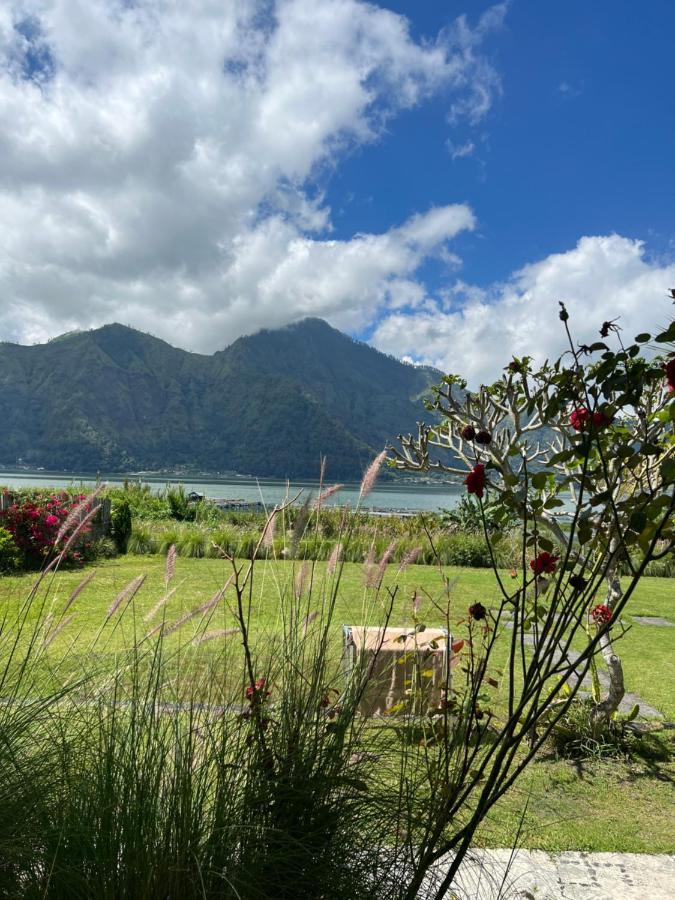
x=270, y=404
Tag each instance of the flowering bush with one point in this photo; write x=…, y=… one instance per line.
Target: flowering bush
x=35, y=523
x=582, y=451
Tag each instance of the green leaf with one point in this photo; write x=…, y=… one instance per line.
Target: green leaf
x=643, y=337
x=633, y=714
x=668, y=471
x=539, y=480
x=562, y=457
x=667, y=336
x=638, y=520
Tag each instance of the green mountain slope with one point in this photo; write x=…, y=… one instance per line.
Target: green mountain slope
x=271, y=404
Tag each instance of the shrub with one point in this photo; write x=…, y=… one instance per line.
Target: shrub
x=103, y=548
x=120, y=521
x=10, y=557
x=35, y=524
x=179, y=506
x=142, y=539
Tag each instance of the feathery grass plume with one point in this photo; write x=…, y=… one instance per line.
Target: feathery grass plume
x=324, y=495
x=385, y=560
x=170, y=563
x=307, y=621
x=78, y=590
x=213, y=635
x=270, y=528
x=75, y=515
x=156, y=608
x=301, y=580
x=371, y=474
x=299, y=526
x=55, y=632
x=80, y=528
x=202, y=609
x=127, y=593
x=410, y=558
x=334, y=558
x=370, y=569
x=47, y=625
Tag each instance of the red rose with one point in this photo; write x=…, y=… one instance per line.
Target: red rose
x=484, y=437
x=52, y=520
x=601, y=614
x=545, y=563
x=579, y=418
x=468, y=432
x=475, y=480
x=670, y=373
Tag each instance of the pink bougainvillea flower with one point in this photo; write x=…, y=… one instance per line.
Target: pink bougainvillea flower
x=544, y=564
x=475, y=480
x=601, y=614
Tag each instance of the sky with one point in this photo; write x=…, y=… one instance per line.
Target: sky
x=429, y=176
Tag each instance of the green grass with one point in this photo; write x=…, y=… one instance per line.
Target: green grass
x=616, y=804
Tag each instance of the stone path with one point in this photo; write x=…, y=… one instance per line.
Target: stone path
x=647, y=711
x=536, y=875
x=654, y=620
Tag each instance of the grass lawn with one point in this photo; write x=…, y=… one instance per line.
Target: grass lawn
x=605, y=804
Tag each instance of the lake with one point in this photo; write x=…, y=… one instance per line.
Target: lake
x=413, y=498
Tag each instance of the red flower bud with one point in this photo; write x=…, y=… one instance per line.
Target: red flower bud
x=484, y=437
x=475, y=480
x=468, y=433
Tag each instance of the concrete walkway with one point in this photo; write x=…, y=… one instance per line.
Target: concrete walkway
x=536, y=875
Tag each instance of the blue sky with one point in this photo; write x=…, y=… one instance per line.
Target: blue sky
x=431, y=176
x=581, y=140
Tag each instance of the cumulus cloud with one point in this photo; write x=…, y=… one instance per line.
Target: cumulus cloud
x=474, y=332
x=159, y=161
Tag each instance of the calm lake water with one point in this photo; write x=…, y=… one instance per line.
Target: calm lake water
x=418, y=498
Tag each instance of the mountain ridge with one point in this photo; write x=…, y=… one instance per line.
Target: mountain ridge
x=270, y=404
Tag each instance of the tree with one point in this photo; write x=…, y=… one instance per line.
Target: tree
x=582, y=452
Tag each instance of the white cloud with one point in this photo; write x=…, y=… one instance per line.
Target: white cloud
x=475, y=332
x=159, y=160
x=459, y=151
